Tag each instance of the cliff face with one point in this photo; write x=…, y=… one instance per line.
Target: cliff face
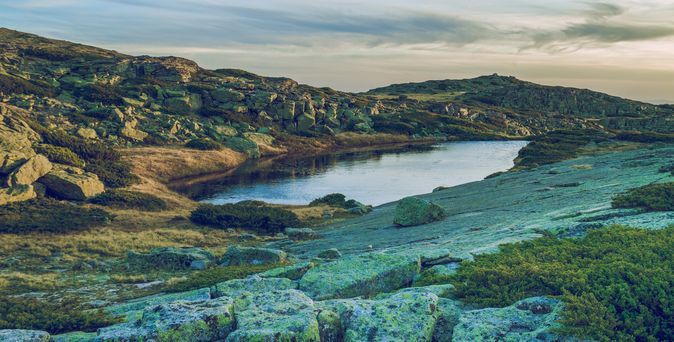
x=126, y=100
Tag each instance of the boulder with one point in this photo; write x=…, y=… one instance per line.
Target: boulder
x=236, y=255
x=15, y=143
x=359, y=275
x=21, y=335
x=133, y=309
x=298, y=234
x=253, y=284
x=413, y=211
x=293, y=272
x=531, y=319
x=283, y=315
x=330, y=254
x=243, y=145
x=87, y=133
x=305, y=122
x=225, y=95
x=208, y=320
x=129, y=131
x=18, y=193
x=172, y=258
x=30, y=171
x=71, y=183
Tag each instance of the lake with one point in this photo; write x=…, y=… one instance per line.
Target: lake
x=370, y=177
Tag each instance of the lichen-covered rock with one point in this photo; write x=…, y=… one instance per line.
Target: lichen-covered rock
x=172, y=258
x=71, y=183
x=298, y=234
x=285, y=315
x=246, y=146
x=20, y=335
x=413, y=211
x=208, y=320
x=18, y=193
x=293, y=272
x=254, y=284
x=531, y=319
x=227, y=95
x=129, y=131
x=448, y=317
x=76, y=336
x=88, y=133
x=330, y=326
x=330, y=254
x=30, y=171
x=359, y=275
x=236, y=255
x=134, y=308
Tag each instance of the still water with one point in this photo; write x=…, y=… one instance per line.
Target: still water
x=369, y=177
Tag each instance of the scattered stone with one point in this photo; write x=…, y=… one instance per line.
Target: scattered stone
x=292, y=272
x=172, y=258
x=253, y=284
x=330, y=254
x=21, y=335
x=359, y=275
x=87, y=133
x=236, y=255
x=18, y=193
x=30, y=171
x=71, y=183
x=298, y=234
x=413, y=211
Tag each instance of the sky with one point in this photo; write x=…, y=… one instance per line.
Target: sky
x=622, y=47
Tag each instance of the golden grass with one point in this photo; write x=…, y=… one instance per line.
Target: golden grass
x=24, y=282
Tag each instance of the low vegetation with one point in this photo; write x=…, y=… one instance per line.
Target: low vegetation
x=203, y=144
x=652, y=197
x=61, y=155
x=47, y=215
x=263, y=219
x=335, y=200
x=212, y=276
x=617, y=283
x=124, y=199
x=556, y=146
x=645, y=137
x=55, y=318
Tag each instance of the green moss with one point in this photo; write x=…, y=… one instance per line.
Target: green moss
x=216, y=275
x=652, y=197
x=67, y=315
x=47, y=215
x=263, y=219
x=617, y=282
x=58, y=154
x=203, y=144
x=124, y=199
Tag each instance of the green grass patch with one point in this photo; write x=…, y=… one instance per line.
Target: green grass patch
x=124, y=199
x=212, y=276
x=47, y=215
x=652, y=197
x=268, y=220
x=617, y=283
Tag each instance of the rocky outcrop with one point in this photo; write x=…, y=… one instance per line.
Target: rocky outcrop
x=253, y=284
x=16, y=140
x=292, y=272
x=236, y=255
x=413, y=211
x=71, y=183
x=17, y=193
x=19, y=335
x=172, y=258
x=30, y=171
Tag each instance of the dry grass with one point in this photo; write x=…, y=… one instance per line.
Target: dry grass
x=24, y=282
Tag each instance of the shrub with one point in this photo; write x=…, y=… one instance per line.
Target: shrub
x=212, y=276
x=556, y=146
x=124, y=199
x=99, y=93
x=16, y=85
x=203, y=144
x=58, y=154
x=264, y=219
x=652, y=197
x=46, y=215
x=34, y=314
x=334, y=200
x=617, y=282
x=114, y=174
x=645, y=137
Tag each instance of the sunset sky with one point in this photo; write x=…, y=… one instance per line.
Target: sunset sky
x=625, y=48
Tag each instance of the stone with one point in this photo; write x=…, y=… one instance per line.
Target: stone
x=15, y=144
x=236, y=255
x=21, y=335
x=531, y=319
x=243, y=145
x=30, y=171
x=129, y=131
x=448, y=317
x=305, y=122
x=87, y=133
x=184, y=104
x=75, y=336
x=134, y=308
x=253, y=284
x=207, y=320
x=172, y=258
x=413, y=211
x=298, y=234
x=359, y=275
x=18, y=193
x=225, y=95
x=330, y=326
x=71, y=183
x=227, y=131
x=330, y=254
x=292, y=272
x=283, y=315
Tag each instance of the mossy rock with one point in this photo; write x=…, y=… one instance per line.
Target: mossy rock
x=243, y=145
x=413, y=211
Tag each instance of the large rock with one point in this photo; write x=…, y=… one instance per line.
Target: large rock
x=285, y=315
x=531, y=319
x=412, y=211
x=71, y=183
x=30, y=171
x=18, y=193
x=359, y=275
x=254, y=284
x=20, y=335
x=129, y=131
x=209, y=320
x=236, y=255
x=15, y=143
x=133, y=309
x=243, y=145
x=172, y=258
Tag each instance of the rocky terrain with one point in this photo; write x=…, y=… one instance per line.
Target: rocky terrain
x=97, y=247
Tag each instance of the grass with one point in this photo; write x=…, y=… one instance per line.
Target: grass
x=46, y=215
x=212, y=276
x=124, y=199
x=652, y=197
x=617, y=283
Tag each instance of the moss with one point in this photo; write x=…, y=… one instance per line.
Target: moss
x=46, y=215
x=58, y=154
x=652, y=197
x=124, y=199
x=263, y=219
x=203, y=144
x=216, y=275
x=617, y=282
